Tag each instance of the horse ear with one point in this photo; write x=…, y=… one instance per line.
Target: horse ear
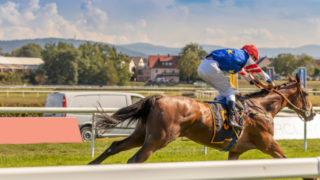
x=298, y=78
x=291, y=79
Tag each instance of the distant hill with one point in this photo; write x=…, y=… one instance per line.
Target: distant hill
x=311, y=50
x=8, y=46
x=144, y=49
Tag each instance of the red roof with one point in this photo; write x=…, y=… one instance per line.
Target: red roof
x=156, y=61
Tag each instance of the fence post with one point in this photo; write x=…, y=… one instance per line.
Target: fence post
x=318, y=165
x=204, y=150
x=302, y=71
x=93, y=135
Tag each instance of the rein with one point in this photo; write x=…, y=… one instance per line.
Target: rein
x=260, y=85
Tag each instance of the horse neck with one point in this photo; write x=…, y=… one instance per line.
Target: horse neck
x=273, y=103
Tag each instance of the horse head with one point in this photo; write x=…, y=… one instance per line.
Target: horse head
x=299, y=101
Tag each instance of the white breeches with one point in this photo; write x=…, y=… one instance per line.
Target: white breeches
x=210, y=72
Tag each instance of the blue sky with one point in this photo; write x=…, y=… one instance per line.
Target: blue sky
x=174, y=23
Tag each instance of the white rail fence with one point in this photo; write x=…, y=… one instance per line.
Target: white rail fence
x=242, y=169
x=74, y=110
x=245, y=169
x=55, y=110
x=199, y=92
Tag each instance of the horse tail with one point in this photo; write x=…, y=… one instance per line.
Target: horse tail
x=133, y=112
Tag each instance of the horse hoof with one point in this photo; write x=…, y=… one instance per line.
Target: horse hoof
x=92, y=163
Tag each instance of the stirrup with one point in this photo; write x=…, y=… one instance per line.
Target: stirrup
x=233, y=121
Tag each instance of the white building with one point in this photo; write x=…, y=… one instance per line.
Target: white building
x=17, y=64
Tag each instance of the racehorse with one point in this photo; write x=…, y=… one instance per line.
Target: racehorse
x=162, y=119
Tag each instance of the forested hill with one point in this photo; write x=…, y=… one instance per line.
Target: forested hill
x=144, y=49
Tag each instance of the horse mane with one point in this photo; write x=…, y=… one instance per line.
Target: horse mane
x=264, y=92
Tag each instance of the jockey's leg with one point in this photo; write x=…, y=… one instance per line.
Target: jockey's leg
x=210, y=72
x=218, y=97
x=231, y=107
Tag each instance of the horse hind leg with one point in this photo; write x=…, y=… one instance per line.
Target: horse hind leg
x=136, y=139
x=148, y=148
x=155, y=140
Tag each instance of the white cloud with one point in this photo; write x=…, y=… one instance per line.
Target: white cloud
x=257, y=33
x=9, y=14
x=142, y=23
x=164, y=22
x=33, y=6
x=40, y=22
x=93, y=17
x=129, y=33
x=225, y=3
x=236, y=38
x=214, y=31
x=315, y=23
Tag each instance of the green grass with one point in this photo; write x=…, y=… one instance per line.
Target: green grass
x=177, y=151
x=19, y=99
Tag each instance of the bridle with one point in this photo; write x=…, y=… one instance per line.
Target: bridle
x=307, y=111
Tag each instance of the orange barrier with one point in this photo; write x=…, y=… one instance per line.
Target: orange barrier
x=30, y=130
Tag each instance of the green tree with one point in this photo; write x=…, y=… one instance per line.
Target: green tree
x=61, y=63
x=285, y=64
x=306, y=61
x=316, y=71
x=101, y=64
x=190, y=58
x=121, y=64
x=29, y=50
x=89, y=64
x=108, y=73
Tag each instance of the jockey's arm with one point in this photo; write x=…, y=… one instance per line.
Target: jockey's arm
x=252, y=67
x=244, y=74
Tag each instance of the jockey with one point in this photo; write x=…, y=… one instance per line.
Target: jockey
x=242, y=61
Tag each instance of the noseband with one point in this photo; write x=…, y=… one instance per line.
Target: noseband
x=307, y=111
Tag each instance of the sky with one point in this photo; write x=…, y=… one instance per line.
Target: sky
x=172, y=23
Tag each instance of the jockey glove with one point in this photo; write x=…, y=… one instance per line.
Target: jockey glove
x=252, y=83
x=269, y=81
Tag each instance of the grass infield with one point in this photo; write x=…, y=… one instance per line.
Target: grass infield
x=180, y=150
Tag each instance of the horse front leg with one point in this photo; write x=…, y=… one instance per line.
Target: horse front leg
x=275, y=151
x=233, y=156
x=244, y=144
x=269, y=146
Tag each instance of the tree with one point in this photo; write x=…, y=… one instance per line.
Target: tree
x=121, y=63
x=90, y=64
x=316, y=71
x=101, y=64
x=29, y=50
x=306, y=61
x=61, y=63
x=285, y=64
x=37, y=77
x=190, y=58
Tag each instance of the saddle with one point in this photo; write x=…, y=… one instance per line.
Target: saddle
x=224, y=135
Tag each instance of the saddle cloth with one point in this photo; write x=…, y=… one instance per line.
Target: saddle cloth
x=225, y=136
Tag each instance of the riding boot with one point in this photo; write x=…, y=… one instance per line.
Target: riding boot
x=231, y=114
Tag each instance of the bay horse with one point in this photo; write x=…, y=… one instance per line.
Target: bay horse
x=163, y=118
